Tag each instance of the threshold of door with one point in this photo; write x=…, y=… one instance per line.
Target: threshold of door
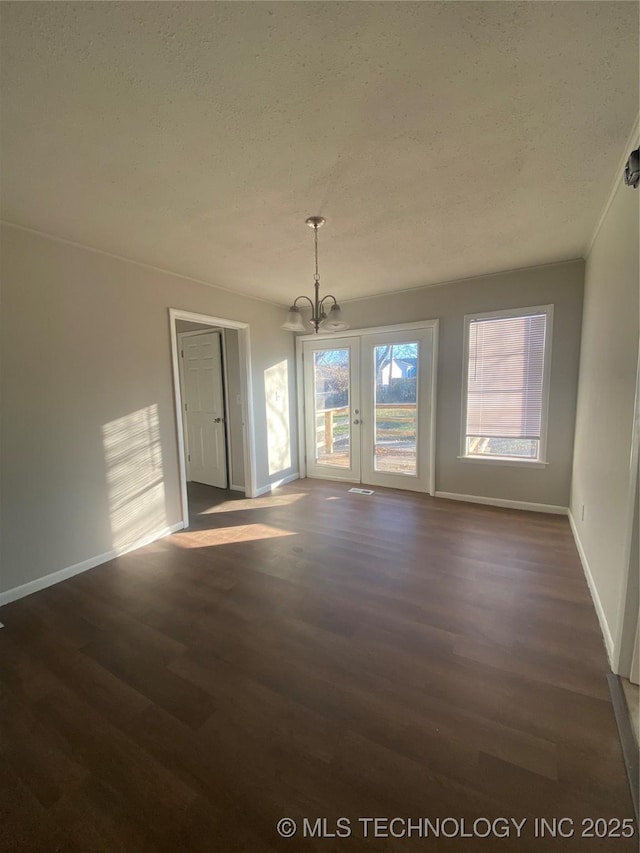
x=362, y=491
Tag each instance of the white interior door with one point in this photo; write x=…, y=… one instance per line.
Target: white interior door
x=369, y=408
x=332, y=422
x=204, y=409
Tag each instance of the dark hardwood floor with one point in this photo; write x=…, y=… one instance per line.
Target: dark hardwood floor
x=313, y=654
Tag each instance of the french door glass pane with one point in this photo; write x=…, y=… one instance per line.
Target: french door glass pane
x=395, y=408
x=331, y=396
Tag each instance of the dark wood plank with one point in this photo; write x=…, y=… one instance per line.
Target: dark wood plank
x=311, y=654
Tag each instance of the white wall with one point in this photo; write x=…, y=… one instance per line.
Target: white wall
x=602, y=473
x=89, y=444
x=558, y=284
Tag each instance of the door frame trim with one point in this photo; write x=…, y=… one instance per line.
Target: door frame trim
x=244, y=349
x=359, y=333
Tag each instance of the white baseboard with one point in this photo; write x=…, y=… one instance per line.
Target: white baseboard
x=271, y=486
x=593, y=589
x=62, y=575
x=237, y=488
x=531, y=507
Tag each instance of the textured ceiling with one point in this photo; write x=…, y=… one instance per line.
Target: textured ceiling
x=440, y=140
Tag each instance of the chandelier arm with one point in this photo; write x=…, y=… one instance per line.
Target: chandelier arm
x=295, y=304
x=329, y=296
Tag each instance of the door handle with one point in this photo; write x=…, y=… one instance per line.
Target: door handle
x=356, y=421
x=217, y=420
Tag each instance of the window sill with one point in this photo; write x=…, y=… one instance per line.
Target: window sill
x=500, y=460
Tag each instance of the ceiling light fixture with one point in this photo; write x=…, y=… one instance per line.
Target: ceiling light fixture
x=331, y=322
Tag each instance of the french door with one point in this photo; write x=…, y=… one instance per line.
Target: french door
x=369, y=408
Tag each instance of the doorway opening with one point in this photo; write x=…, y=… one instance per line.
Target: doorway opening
x=213, y=404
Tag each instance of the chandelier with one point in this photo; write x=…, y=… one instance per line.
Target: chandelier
x=320, y=320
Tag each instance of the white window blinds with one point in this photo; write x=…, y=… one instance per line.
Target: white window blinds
x=505, y=378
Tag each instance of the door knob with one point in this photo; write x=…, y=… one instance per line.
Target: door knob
x=356, y=421
x=217, y=420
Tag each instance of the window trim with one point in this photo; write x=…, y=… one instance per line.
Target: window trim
x=541, y=461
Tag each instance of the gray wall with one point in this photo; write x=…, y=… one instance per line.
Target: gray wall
x=235, y=408
x=558, y=284
x=86, y=374
x=602, y=480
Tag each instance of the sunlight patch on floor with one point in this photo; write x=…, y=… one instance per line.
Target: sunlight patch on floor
x=253, y=503
x=228, y=535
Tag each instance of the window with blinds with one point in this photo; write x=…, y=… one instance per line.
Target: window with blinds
x=506, y=384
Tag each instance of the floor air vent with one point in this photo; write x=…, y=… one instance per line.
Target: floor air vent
x=362, y=491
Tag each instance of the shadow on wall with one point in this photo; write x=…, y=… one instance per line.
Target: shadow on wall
x=276, y=392
x=135, y=477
